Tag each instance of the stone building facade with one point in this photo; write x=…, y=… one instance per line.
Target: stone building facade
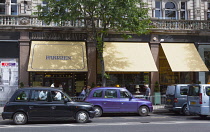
x=182, y=23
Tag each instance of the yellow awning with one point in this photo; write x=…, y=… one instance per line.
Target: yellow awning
x=183, y=57
x=57, y=56
x=128, y=57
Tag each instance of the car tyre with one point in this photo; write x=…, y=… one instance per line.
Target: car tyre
x=143, y=111
x=98, y=111
x=185, y=111
x=20, y=118
x=82, y=117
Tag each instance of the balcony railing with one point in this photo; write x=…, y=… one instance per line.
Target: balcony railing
x=157, y=24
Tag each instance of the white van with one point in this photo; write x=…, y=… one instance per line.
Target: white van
x=198, y=99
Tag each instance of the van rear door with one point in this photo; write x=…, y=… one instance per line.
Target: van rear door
x=193, y=99
x=170, y=96
x=206, y=99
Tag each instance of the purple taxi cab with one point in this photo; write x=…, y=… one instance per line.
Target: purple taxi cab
x=117, y=100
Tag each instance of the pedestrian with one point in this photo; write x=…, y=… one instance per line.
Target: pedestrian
x=88, y=90
x=147, y=92
x=60, y=87
x=83, y=93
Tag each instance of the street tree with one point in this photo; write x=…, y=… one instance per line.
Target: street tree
x=100, y=17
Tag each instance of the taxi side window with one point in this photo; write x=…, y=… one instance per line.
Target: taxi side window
x=111, y=93
x=208, y=91
x=22, y=96
x=124, y=94
x=97, y=93
x=57, y=96
x=39, y=95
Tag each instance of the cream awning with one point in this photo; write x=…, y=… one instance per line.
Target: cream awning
x=183, y=57
x=57, y=56
x=128, y=57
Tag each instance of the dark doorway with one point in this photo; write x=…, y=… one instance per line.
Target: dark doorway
x=65, y=83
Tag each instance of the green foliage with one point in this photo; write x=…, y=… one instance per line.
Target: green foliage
x=120, y=16
x=93, y=85
x=21, y=85
x=157, y=87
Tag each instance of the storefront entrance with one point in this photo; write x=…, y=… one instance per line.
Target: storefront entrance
x=71, y=83
x=65, y=83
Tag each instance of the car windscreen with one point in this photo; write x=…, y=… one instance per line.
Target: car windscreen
x=194, y=91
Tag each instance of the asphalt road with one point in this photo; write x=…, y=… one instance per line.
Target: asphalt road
x=159, y=122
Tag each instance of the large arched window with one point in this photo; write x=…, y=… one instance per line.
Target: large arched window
x=2, y=7
x=170, y=10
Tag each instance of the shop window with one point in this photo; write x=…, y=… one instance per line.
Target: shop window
x=36, y=80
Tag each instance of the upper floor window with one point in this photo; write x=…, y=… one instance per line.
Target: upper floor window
x=208, y=13
x=14, y=7
x=170, y=10
x=158, y=11
x=183, y=12
x=2, y=7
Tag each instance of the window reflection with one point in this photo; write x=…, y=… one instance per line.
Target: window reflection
x=170, y=11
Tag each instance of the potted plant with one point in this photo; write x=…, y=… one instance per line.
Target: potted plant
x=157, y=99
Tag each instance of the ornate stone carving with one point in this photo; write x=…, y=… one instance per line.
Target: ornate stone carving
x=24, y=21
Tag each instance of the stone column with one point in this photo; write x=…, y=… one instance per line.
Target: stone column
x=24, y=43
x=155, y=53
x=92, y=62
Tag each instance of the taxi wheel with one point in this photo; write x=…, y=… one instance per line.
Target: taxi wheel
x=98, y=111
x=20, y=118
x=143, y=111
x=82, y=117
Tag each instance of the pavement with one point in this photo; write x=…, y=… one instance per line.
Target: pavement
x=156, y=109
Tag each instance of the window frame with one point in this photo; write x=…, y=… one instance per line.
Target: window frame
x=208, y=12
x=3, y=5
x=172, y=10
x=183, y=10
x=158, y=9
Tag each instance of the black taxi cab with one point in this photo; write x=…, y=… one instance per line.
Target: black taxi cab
x=45, y=104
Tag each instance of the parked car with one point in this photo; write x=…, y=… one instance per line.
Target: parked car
x=199, y=100
x=45, y=104
x=176, y=98
x=117, y=100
